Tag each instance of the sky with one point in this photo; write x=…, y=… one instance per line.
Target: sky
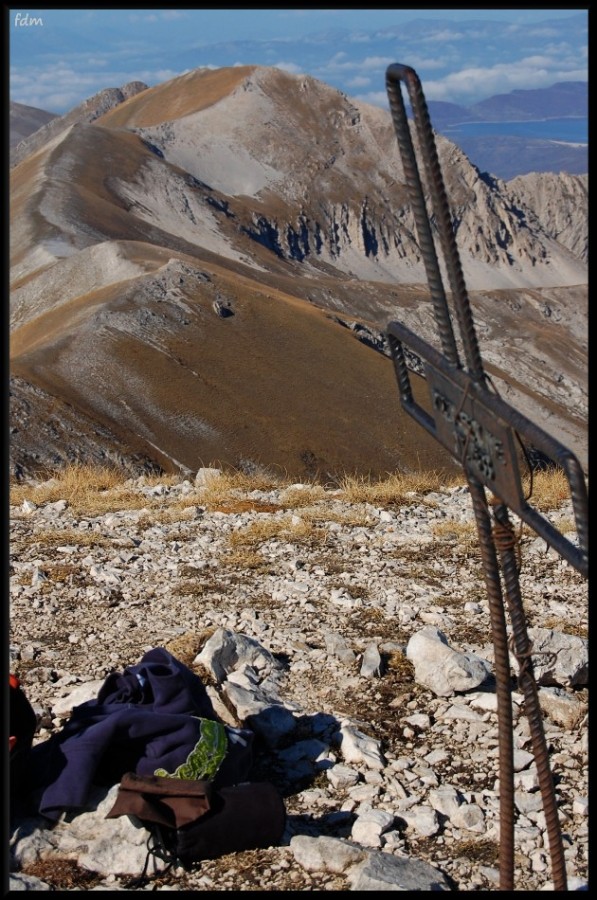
x=60, y=57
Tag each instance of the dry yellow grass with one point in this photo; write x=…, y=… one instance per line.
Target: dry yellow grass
x=295, y=497
x=89, y=490
x=548, y=489
x=353, y=518
x=557, y=623
x=74, y=481
x=94, y=490
x=165, y=515
x=565, y=524
x=464, y=534
x=222, y=482
x=396, y=488
x=284, y=529
x=70, y=536
x=225, y=487
x=245, y=559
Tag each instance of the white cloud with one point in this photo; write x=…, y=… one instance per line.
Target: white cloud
x=358, y=81
x=60, y=87
x=534, y=32
x=375, y=98
x=370, y=63
x=426, y=63
x=134, y=18
x=537, y=61
x=290, y=67
x=172, y=14
x=161, y=15
x=465, y=64
x=444, y=37
x=340, y=65
x=377, y=62
x=473, y=84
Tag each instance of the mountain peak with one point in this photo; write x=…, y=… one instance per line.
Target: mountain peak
x=177, y=98
x=279, y=199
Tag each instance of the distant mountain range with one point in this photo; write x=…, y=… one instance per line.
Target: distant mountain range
x=566, y=98
x=203, y=271
x=507, y=156
x=25, y=120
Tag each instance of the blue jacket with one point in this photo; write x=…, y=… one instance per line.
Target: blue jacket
x=154, y=715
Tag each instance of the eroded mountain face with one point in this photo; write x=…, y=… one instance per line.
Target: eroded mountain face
x=24, y=121
x=184, y=260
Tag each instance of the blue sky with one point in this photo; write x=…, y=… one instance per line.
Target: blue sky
x=60, y=57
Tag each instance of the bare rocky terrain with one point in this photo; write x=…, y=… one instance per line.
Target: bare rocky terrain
x=33, y=127
x=377, y=764
x=25, y=121
x=542, y=194
x=197, y=270
x=201, y=275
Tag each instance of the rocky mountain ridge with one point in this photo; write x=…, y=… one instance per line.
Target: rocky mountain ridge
x=221, y=185
x=360, y=137
x=505, y=156
x=87, y=111
x=25, y=120
x=553, y=198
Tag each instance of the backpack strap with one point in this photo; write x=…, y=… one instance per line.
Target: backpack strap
x=156, y=849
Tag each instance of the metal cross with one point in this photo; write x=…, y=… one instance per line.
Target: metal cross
x=485, y=435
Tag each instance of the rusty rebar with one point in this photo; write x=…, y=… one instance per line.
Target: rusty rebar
x=417, y=200
x=503, y=682
x=440, y=205
x=478, y=429
x=505, y=541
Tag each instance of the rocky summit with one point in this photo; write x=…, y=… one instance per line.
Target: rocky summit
x=203, y=273
x=351, y=635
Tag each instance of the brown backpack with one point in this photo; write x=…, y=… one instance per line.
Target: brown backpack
x=189, y=820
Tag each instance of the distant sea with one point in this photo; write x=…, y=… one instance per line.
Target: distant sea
x=572, y=130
